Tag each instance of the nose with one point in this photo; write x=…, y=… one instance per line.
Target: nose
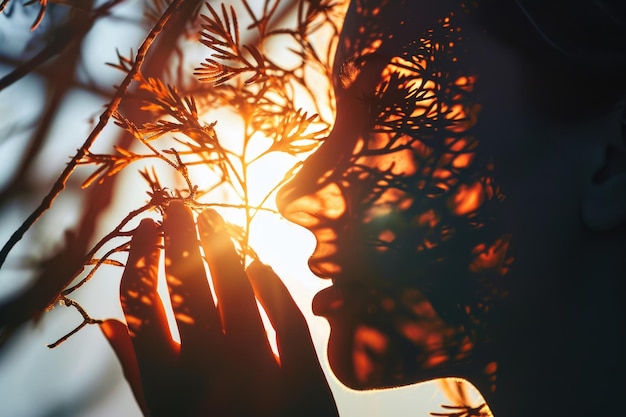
x=315, y=194
x=312, y=198
x=314, y=209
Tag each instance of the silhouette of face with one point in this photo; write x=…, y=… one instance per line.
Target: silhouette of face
x=434, y=169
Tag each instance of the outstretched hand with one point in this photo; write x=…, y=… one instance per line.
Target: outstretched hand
x=224, y=365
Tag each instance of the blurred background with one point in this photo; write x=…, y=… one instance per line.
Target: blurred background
x=54, y=84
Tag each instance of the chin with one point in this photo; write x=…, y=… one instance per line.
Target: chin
x=359, y=371
x=364, y=357
x=346, y=367
x=354, y=370
x=379, y=342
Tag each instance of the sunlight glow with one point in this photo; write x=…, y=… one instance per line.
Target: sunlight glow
x=254, y=155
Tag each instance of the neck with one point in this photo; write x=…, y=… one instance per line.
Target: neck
x=561, y=357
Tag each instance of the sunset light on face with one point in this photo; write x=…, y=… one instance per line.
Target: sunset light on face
x=409, y=178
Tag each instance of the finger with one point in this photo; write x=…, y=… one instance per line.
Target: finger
x=157, y=386
x=292, y=331
x=236, y=302
x=142, y=306
x=195, y=312
x=298, y=359
x=119, y=339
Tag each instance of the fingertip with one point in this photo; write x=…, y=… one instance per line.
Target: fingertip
x=178, y=220
x=275, y=298
x=146, y=233
x=266, y=282
x=146, y=222
x=114, y=330
x=210, y=222
x=175, y=207
x=257, y=270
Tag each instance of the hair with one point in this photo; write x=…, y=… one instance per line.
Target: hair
x=560, y=30
x=568, y=45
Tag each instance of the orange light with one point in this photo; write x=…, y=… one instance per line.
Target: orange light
x=492, y=258
x=367, y=339
x=429, y=219
x=468, y=198
x=463, y=160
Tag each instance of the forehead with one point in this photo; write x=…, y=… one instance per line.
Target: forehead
x=416, y=40
x=570, y=30
x=377, y=33
x=388, y=29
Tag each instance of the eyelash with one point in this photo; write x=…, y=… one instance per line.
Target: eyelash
x=372, y=101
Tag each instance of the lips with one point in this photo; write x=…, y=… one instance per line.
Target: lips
x=328, y=263
x=347, y=290
x=328, y=301
x=333, y=298
x=323, y=267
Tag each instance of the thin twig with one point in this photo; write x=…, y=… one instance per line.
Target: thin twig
x=68, y=302
x=117, y=232
x=95, y=268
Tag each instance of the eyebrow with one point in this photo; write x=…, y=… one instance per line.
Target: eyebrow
x=350, y=68
x=369, y=56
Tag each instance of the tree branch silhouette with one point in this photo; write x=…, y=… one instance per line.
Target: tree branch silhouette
x=111, y=108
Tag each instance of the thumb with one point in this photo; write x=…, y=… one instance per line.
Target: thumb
x=119, y=339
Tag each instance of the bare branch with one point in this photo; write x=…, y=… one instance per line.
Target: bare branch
x=59, y=185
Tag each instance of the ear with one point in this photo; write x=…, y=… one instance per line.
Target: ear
x=604, y=202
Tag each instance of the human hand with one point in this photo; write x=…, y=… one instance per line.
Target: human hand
x=224, y=365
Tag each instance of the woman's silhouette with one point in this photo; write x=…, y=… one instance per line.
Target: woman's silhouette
x=468, y=207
